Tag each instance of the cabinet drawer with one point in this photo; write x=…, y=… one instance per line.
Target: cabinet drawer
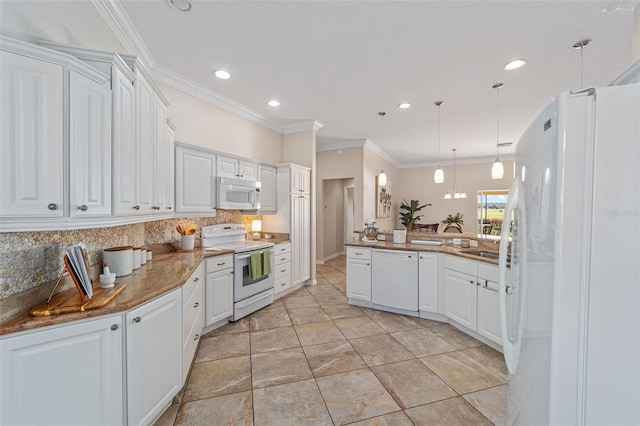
x=283, y=271
x=282, y=248
x=282, y=284
x=192, y=310
x=194, y=279
x=219, y=263
x=459, y=264
x=282, y=258
x=358, y=253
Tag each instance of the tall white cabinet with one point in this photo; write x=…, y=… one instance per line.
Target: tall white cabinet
x=294, y=216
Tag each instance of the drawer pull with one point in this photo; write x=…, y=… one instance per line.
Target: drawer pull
x=283, y=270
x=358, y=254
x=196, y=305
x=137, y=319
x=283, y=284
x=223, y=263
x=136, y=207
x=197, y=336
x=284, y=258
x=196, y=279
x=114, y=327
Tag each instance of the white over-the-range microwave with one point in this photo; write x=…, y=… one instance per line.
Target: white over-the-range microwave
x=237, y=194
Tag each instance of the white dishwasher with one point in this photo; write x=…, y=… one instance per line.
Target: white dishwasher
x=394, y=279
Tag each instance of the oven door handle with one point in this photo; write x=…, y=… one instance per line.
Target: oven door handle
x=245, y=256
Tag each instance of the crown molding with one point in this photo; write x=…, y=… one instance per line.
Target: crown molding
x=375, y=149
x=34, y=51
x=302, y=126
x=358, y=143
x=117, y=19
x=175, y=80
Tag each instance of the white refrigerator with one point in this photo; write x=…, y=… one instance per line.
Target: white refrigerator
x=571, y=314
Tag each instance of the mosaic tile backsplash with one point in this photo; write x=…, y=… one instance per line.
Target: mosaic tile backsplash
x=17, y=274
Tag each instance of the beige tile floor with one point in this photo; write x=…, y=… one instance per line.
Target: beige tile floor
x=312, y=359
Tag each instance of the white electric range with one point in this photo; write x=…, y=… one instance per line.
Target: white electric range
x=249, y=295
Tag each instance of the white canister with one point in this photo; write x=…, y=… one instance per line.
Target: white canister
x=136, y=262
x=399, y=236
x=149, y=255
x=143, y=255
x=187, y=242
x=119, y=259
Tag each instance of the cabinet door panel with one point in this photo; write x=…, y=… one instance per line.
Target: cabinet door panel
x=31, y=110
x=267, y=178
x=145, y=100
x=161, y=166
x=124, y=140
x=428, y=282
x=489, y=315
x=195, y=181
x=219, y=296
x=90, y=147
x=359, y=279
x=72, y=374
x=460, y=298
x=248, y=170
x=228, y=167
x=154, y=356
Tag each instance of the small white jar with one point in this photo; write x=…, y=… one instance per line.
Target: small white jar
x=119, y=259
x=136, y=262
x=143, y=255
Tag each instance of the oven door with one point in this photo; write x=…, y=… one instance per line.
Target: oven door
x=243, y=285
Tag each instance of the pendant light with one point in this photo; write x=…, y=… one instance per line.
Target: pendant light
x=581, y=45
x=497, y=170
x=438, y=176
x=454, y=193
x=382, y=177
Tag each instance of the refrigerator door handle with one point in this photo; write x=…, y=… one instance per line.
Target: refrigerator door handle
x=515, y=205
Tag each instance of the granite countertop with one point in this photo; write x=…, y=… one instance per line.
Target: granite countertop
x=444, y=248
x=164, y=273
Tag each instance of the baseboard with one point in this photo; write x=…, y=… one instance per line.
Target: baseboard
x=333, y=256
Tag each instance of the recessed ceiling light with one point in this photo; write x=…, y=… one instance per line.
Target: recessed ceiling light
x=181, y=5
x=515, y=64
x=274, y=103
x=222, y=74
x=404, y=105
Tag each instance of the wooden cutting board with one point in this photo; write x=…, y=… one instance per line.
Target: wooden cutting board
x=70, y=301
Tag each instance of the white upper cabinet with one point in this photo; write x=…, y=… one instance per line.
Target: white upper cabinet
x=267, y=179
x=89, y=147
x=195, y=180
x=161, y=166
x=31, y=110
x=171, y=169
x=146, y=145
x=237, y=169
x=300, y=180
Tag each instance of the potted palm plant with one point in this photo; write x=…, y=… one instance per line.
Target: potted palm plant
x=410, y=216
x=453, y=223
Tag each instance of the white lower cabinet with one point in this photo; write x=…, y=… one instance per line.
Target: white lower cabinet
x=471, y=296
x=282, y=273
x=359, y=274
x=428, y=282
x=394, y=279
x=219, y=289
x=154, y=357
x=71, y=374
x=192, y=317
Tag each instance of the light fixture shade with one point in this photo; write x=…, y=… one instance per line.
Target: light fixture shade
x=447, y=196
x=460, y=195
x=497, y=170
x=256, y=225
x=438, y=175
x=382, y=178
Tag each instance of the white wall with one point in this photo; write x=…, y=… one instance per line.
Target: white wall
x=417, y=183
x=333, y=206
x=635, y=38
x=202, y=124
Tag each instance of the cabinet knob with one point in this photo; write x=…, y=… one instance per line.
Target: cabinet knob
x=83, y=207
x=509, y=290
x=52, y=206
x=168, y=207
x=197, y=336
x=136, y=207
x=195, y=305
x=114, y=327
x=137, y=319
x=472, y=282
x=367, y=264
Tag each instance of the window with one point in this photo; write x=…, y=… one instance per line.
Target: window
x=491, y=205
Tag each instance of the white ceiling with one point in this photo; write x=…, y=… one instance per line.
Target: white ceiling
x=341, y=62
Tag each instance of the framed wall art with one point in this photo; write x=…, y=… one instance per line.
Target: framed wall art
x=383, y=200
